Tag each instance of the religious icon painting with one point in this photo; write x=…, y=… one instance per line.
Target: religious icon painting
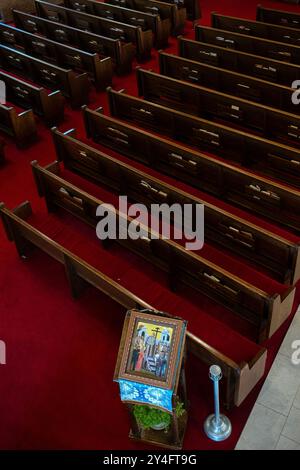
x=151, y=349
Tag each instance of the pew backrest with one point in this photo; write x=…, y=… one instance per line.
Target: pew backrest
x=255, y=28
x=228, y=82
x=121, y=53
x=49, y=105
x=142, y=40
x=231, y=232
x=262, y=67
x=99, y=69
x=74, y=86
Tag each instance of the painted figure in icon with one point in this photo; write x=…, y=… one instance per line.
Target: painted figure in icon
x=161, y=361
x=135, y=353
x=150, y=352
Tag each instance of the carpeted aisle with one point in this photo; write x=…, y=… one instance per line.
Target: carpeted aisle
x=56, y=391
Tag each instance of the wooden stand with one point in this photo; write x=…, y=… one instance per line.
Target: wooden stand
x=171, y=437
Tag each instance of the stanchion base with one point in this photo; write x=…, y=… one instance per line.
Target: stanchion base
x=217, y=433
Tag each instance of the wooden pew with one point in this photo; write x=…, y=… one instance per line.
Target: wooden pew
x=251, y=44
x=255, y=28
x=237, y=186
x=99, y=70
x=227, y=81
x=249, y=64
x=244, y=299
x=142, y=40
x=203, y=102
x=176, y=13
x=271, y=123
x=240, y=378
x=50, y=106
x=74, y=86
x=146, y=20
x=192, y=7
x=21, y=126
x=279, y=257
x=120, y=53
x=278, y=17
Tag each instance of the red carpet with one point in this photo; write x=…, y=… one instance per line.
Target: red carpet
x=56, y=391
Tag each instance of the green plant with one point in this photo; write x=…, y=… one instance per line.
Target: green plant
x=179, y=409
x=148, y=417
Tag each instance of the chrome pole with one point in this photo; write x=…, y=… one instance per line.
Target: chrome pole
x=217, y=426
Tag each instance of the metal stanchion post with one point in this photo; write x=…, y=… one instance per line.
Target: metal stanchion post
x=217, y=426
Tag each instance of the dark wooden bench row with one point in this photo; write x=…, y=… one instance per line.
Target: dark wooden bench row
x=242, y=62
x=279, y=17
x=255, y=28
x=279, y=257
x=21, y=126
x=234, y=185
x=269, y=122
x=50, y=106
x=174, y=12
x=120, y=53
x=192, y=7
x=267, y=156
x=272, y=200
x=73, y=85
x=142, y=40
x=182, y=266
x=227, y=81
x=100, y=70
x=240, y=378
x=161, y=28
x=251, y=44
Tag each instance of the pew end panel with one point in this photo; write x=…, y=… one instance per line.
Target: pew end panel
x=296, y=270
x=55, y=136
x=281, y=310
x=103, y=72
x=79, y=87
x=125, y=54
x=23, y=211
x=21, y=126
x=249, y=376
x=53, y=105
